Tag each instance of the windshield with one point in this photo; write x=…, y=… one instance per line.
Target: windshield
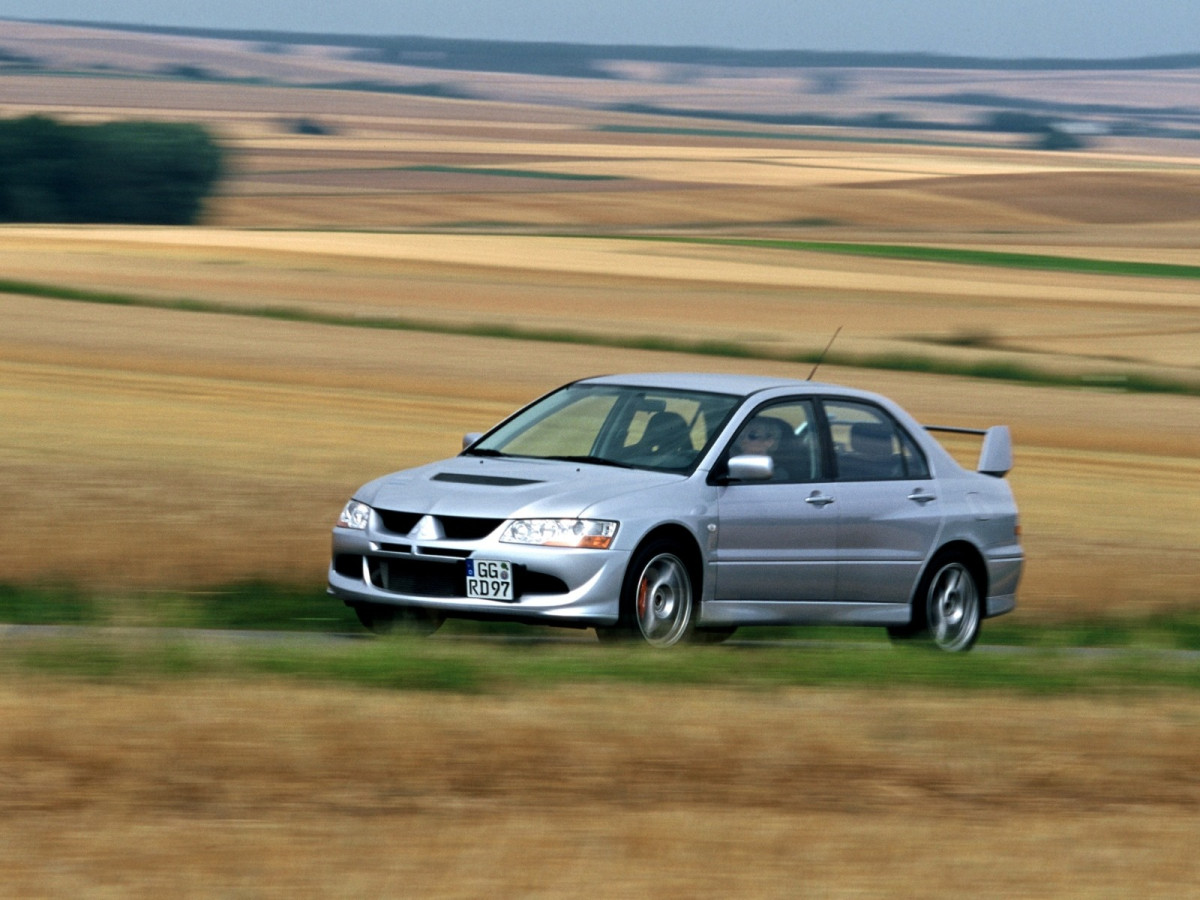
x=635, y=427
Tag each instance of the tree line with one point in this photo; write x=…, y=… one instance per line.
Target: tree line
x=155, y=173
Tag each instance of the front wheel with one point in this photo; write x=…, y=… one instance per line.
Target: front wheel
x=658, y=598
x=947, y=609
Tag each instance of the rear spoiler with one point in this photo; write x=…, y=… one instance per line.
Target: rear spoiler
x=996, y=455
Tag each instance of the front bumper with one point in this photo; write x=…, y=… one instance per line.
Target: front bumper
x=561, y=586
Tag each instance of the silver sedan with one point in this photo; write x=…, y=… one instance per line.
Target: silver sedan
x=672, y=507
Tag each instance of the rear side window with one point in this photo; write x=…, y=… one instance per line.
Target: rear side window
x=915, y=465
x=868, y=445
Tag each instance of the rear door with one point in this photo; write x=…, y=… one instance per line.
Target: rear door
x=889, y=511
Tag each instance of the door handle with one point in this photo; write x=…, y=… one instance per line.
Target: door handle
x=818, y=500
x=919, y=496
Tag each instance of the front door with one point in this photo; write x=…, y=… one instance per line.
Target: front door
x=777, y=539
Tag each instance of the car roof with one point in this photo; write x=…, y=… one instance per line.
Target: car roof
x=738, y=385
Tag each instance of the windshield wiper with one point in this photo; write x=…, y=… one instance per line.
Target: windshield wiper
x=595, y=460
x=471, y=451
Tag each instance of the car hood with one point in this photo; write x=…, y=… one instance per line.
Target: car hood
x=507, y=488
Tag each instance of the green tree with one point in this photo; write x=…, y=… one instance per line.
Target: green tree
x=119, y=172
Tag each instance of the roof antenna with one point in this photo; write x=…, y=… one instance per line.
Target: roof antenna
x=821, y=358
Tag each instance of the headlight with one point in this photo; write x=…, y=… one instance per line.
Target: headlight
x=593, y=534
x=355, y=515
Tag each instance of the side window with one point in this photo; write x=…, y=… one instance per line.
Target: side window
x=787, y=433
x=915, y=465
x=869, y=446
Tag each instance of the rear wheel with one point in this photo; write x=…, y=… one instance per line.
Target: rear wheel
x=947, y=610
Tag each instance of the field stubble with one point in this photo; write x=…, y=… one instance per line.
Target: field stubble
x=199, y=788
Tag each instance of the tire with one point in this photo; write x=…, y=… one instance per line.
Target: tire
x=382, y=619
x=658, y=598
x=947, y=609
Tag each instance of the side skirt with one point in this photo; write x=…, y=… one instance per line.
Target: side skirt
x=755, y=612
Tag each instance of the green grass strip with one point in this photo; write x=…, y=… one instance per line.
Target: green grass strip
x=475, y=666
x=1153, y=652
x=275, y=606
x=988, y=369
x=950, y=255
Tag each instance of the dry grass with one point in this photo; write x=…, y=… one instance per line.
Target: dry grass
x=203, y=789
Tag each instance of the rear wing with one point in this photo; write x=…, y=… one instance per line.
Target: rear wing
x=996, y=454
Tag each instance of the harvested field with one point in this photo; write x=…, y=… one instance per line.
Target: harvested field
x=778, y=300
x=204, y=788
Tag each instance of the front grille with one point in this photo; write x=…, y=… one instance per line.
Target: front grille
x=462, y=528
x=456, y=528
x=398, y=522
x=417, y=577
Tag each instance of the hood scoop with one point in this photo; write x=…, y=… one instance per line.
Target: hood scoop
x=490, y=480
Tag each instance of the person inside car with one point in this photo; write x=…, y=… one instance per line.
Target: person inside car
x=764, y=436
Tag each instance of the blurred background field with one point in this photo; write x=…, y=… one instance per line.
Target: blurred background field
x=152, y=443
x=174, y=450
x=398, y=255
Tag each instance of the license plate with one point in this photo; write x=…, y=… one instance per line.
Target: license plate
x=489, y=579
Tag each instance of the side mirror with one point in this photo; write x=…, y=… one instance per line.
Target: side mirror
x=470, y=438
x=750, y=468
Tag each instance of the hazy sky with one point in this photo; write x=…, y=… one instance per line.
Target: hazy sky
x=1000, y=28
